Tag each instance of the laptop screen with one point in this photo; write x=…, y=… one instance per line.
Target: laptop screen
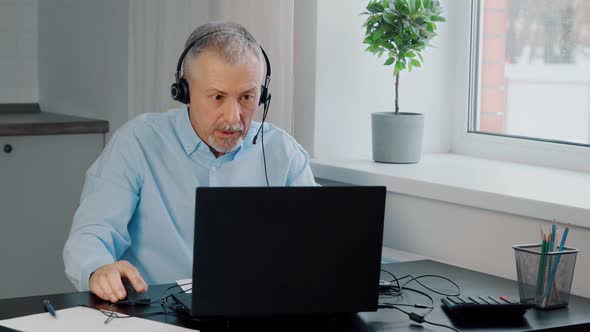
x=287, y=250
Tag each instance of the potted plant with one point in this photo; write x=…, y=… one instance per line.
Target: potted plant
x=400, y=29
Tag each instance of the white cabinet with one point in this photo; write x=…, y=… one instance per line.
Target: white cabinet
x=41, y=179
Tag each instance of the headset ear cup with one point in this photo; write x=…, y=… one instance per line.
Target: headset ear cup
x=263, y=95
x=180, y=91
x=185, y=96
x=174, y=91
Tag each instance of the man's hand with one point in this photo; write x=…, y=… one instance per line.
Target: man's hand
x=106, y=281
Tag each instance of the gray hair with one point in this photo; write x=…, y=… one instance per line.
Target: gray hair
x=231, y=40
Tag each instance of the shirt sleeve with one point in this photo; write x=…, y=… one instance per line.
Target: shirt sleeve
x=110, y=195
x=299, y=170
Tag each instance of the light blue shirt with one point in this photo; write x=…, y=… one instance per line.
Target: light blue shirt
x=138, y=200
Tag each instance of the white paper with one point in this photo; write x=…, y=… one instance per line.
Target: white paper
x=85, y=319
x=186, y=285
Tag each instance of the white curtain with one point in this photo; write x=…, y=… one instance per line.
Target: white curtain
x=158, y=30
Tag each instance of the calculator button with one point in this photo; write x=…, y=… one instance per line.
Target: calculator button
x=484, y=300
x=507, y=299
x=452, y=300
x=493, y=300
x=474, y=300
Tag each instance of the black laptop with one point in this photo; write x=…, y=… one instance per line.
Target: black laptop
x=284, y=251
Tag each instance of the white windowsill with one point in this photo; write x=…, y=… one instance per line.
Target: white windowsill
x=531, y=191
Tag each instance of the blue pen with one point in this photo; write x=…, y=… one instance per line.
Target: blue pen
x=49, y=308
x=552, y=241
x=554, y=268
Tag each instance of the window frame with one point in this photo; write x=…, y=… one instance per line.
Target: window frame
x=541, y=152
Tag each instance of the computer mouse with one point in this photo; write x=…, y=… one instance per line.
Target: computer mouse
x=134, y=297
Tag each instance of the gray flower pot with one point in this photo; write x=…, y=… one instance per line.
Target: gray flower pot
x=397, y=138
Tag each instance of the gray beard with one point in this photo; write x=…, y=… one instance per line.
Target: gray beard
x=226, y=148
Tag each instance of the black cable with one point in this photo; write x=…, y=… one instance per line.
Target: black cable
x=112, y=314
x=393, y=276
x=397, y=291
x=441, y=325
x=163, y=300
x=419, y=318
x=425, y=295
x=172, y=287
x=264, y=156
x=412, y=278
x=261, y=132
x=262, y=141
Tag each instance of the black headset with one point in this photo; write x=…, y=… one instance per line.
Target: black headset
x=180, y=91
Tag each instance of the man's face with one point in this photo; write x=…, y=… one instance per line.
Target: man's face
x=223, y=98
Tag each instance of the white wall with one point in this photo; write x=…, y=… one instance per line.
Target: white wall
x=350, y=84
x=304, y=68
x=83, y=58
x=18, y=51
x=473, y=238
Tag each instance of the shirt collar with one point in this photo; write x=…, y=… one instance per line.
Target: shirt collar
x=186, y=133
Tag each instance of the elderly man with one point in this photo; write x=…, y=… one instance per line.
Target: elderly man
x=136, y=215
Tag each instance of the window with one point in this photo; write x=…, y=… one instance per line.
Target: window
x=532, y=70
x=522, y=81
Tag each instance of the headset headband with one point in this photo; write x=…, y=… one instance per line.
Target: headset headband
x=191, y=44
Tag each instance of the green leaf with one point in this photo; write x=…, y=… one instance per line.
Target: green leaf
x=436, y=18
x=375, y=7
x=389, y=18
x=415, y=63
x=412, y=6
x=377, y=34
x=388, y=45
x=410, y=54
x=389, y=61
x=431, y=27
x=401, y=6
x=400, y=65
x=392, y=5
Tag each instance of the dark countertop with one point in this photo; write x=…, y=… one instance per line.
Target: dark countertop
x=572, y=318
x=34, y=122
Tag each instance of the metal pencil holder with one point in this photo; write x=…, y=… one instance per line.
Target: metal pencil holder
x=544, y=279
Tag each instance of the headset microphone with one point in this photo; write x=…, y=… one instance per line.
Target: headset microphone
x=266, y=105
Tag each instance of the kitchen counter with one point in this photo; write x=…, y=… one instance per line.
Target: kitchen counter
x=27, y=119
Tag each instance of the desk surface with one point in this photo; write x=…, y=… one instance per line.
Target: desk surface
x=573, y=318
